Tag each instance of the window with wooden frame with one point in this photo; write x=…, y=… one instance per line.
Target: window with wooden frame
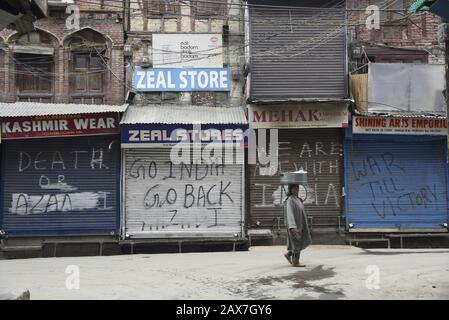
x=88, y=66
x=34, y=77
x=163, y=8
x=87, y=78
x=208, y=8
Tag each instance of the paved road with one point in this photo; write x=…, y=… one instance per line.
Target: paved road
x=332, y=272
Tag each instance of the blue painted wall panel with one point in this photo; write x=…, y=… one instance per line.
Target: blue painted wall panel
x=61, y=186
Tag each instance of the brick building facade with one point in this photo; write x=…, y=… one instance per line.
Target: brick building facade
x=68, y=64
x=398, y=29
x=224, y=17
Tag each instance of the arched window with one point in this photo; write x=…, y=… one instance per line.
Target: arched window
x=88, y=66
x=34, y=60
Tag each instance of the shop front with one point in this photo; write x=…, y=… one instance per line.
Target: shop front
x=183, y=172
x=60, y=171
x=396, y=174
x=308, y=136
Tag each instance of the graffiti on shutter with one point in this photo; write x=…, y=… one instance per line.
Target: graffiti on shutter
x=162, y=196
x=319, y=152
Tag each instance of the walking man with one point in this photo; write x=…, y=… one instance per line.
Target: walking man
x=298, y=233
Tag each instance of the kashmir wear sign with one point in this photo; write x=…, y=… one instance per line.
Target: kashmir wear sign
x=401, y=126
x=60, y=125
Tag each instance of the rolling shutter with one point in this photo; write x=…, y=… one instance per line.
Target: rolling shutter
x=319, y=151
x=396, y=185
x=163, y=199
x=60, y=186
x=297, y=53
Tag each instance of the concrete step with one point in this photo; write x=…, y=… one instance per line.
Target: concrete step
x=20, y=248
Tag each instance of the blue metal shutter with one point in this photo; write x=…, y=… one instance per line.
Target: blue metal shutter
x=396, y=185
x=61, y=186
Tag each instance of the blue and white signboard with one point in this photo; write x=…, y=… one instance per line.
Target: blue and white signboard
x=161, y=135
x=181, y=80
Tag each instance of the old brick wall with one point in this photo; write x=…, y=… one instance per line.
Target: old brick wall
x=107, y=21
x=415, y=31
x=142, y=26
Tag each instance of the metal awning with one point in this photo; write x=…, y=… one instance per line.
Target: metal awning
x=29, y=109
x=179, y=114
x=20, y=14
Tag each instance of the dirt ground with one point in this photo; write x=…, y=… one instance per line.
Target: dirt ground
x=331, y=272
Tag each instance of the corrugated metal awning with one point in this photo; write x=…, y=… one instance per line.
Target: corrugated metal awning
x=178, y=114
x=29, y=109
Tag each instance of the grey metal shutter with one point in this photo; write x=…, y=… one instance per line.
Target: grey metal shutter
x=319, y=151
x=162, y=199
x=297, y=53
x=396, y=185
x=61, y=186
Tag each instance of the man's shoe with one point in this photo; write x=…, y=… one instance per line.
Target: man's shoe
x=298, y=265
x=288, y=257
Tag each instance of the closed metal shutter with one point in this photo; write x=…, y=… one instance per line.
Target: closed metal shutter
x=163, y=199
x=297, y=53
x=319, y=151
x=396, y=185
x=61, y=186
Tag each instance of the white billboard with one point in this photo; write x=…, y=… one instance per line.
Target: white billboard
x=181, y=50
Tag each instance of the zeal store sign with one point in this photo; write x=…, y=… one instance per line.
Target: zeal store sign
x=60, y=125
x=181, y=80
x=400, y=126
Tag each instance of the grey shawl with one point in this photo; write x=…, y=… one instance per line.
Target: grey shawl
x=295, y=217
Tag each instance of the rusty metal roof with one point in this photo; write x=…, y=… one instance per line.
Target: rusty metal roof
x=183, y=114
x=28, y=109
